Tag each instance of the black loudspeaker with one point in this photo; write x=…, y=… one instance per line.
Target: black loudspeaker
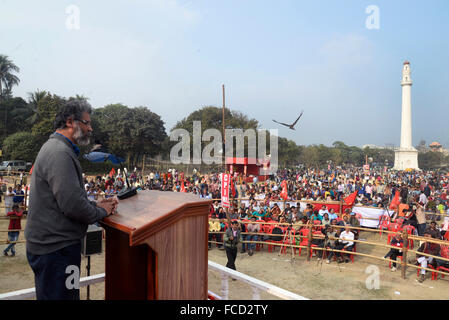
x=93, y=241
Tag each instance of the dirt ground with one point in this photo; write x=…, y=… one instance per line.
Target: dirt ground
x=311, y=279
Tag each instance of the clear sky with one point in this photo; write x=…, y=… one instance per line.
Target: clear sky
x=275, y=59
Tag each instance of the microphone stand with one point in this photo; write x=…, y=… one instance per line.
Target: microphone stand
x=128, y=191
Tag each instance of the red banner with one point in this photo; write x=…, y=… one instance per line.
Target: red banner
x=225, y=179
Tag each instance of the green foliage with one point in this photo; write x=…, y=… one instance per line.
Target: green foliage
x=46, y=110
x=289, y=152
x=341, y=154
x=14, y=114
x=212, y=118
x=432, y=160
x=7, y=77
x=129, y=132
x=20, y=146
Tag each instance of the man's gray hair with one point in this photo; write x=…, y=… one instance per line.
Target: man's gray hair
x=73, y=109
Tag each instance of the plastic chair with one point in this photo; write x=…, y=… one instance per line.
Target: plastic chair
x=399, y=248
x=272, y=241
x=351, y=256
x=384, y=223
x=316, y=234
x=317, y=225
x=411, y=231
x=400, y=221
x=434, y=275
x=289, y=241
x=396, y=260
x=304, y=241
x=394, y=227
x=441, y=268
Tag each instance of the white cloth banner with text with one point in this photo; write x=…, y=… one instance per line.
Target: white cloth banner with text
x=373, y=214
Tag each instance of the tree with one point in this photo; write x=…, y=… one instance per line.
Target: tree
x=7, y=81
x=16, y=111
x=211, y=117
x=288, y=152
x=7, y=78
x=129, y=132
x=47, y=108
x=33, y=101
x=431, y=160
x=21, y=146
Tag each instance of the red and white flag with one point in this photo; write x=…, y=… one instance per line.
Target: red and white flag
x=225, y=180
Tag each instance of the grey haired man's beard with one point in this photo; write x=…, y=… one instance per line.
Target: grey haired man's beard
x=80, y=138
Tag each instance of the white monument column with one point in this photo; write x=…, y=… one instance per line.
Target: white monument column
x=406, y=157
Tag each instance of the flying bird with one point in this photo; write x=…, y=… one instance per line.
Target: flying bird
x=291, y=126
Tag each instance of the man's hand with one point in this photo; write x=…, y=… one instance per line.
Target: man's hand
x=109, y=204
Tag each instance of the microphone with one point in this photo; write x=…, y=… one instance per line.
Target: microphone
x=128, y=191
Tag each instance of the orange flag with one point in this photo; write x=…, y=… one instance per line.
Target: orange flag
x=349, y=200
x=395, y=202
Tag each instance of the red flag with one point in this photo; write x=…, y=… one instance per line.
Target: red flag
x=112, y=172
x=349, y=200
x=183, y=189
x=284, y=193
x=31, y=170
x=395, y=202
x=232, y=188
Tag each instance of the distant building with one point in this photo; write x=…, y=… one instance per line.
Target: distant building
x=372, y=146
x=437, y=147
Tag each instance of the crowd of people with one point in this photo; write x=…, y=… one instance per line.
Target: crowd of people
x=423, y=197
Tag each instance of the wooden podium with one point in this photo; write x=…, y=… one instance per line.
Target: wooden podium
x=156, y=247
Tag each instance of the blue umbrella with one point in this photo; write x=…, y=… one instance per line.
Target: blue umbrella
x=103, y=157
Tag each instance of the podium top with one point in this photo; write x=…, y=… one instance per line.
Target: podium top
x=151, y=211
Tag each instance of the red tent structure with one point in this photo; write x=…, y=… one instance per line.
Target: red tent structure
x=249, y=168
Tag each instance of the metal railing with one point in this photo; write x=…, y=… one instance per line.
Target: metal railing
x=256, y=284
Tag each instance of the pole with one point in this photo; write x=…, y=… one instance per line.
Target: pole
x=224, y=132
x=88, y=274
x=404, y=252
x=309, y=242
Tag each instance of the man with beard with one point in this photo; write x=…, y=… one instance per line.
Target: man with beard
x=59, y=210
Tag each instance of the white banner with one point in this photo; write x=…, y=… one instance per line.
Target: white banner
x=280, y=204
x=373, y=214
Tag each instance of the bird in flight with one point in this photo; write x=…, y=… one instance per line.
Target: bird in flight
x=291, y=126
